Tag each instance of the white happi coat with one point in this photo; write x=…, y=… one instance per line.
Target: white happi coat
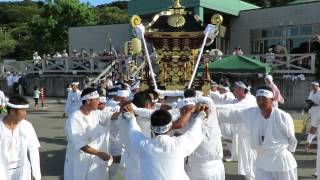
x=272, y=138
x=15, y=147
x=82, y=130
x=225, y=98
x=2, y=99
x=73, y=102
x=246, y=156
x=206, y=161
x=130, y=157
x=162, y=157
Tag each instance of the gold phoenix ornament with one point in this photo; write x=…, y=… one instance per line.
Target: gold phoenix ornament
x=135, y=21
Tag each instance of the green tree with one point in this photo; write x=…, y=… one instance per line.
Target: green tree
x=112, y=15
x=50, y=28
x=7, y=44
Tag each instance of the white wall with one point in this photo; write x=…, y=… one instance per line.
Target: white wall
x=96, y=37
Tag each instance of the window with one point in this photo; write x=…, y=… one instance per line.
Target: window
x=271, y=43
x=278, y=32
x=306, y=30
x=266, y=33
x=299, y=45
x=294, y=31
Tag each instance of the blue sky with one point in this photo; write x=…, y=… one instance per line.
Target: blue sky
x=92, y=2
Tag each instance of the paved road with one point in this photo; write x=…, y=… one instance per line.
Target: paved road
x=49, y=125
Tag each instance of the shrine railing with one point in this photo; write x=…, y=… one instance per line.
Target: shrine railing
x=72, y=65
x=289, y=63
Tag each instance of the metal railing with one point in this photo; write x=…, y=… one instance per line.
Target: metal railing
x=68, y=65
x=290, y=63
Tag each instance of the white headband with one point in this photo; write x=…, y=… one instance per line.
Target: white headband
x=241, y=84
x=123, y=93
x=315, y=83
x=103, y=99
x=75, y=83
x=92, y=95
x=15, y=106
x=161, y=129
x=113, y=93
x=184, y=102
x=265, y=93
x=224, y=87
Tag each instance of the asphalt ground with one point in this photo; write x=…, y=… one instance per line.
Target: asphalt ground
x=49, y=125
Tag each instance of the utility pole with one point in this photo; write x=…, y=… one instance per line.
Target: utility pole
x=110, y=43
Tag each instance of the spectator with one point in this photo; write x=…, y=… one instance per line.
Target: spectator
x=277, y=97
x=237, y=51
x=36, y=96
x=64, y=53
x=270, y=56
x=36, y=58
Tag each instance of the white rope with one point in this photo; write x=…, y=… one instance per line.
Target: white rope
x=140, y=33
x=149, y=63
x=211, y=31
x=198, y=60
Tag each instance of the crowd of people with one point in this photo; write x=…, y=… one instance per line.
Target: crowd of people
x=116, y=129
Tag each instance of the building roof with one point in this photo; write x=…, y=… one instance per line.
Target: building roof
x=190, y=25
x=145, y=7
x=302, y=1
x=237, y=64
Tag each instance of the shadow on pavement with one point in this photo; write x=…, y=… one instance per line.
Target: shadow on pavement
x=234, y=177
x=56, y=140
x=52, y=163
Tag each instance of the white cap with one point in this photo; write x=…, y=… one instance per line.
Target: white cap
x=184, y=102
x=269, y=77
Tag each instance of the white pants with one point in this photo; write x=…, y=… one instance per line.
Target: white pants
x=213, y=171
x=267, y=175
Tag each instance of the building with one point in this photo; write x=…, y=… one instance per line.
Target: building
x=98, y=38
x=252, y=28
x=292, y=26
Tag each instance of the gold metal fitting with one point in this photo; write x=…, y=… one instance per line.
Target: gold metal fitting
x=216, y=19
x=135, y=21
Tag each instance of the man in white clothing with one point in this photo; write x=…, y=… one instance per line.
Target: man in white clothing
x=271, y=135
x=314, y=104
x=19, y=155
x=162, y=157
x=74, y=100
x=87, y=130
x=206, y=161
x=240, y=146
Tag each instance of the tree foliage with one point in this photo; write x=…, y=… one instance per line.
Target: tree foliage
x=43, y=26
x=50, y=27
x=7, y=44
x=112, y=15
